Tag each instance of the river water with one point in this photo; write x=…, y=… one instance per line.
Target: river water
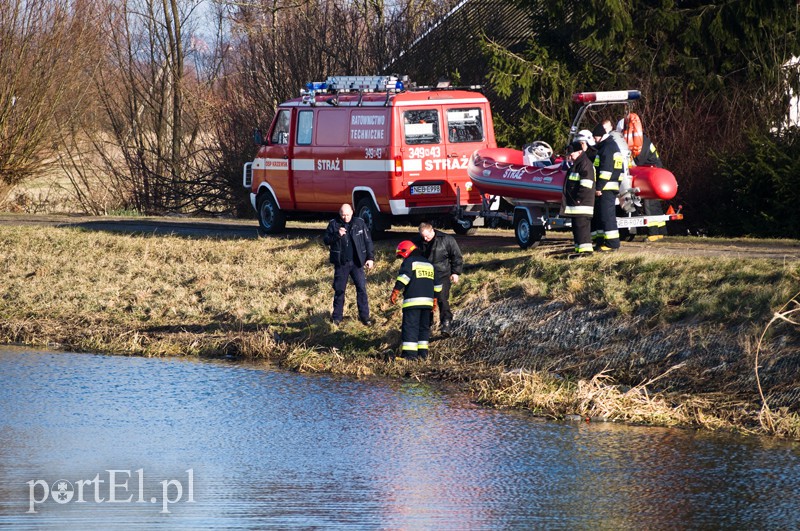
x=91, y=441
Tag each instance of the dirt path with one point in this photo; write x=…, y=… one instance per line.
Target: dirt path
x=555, y=243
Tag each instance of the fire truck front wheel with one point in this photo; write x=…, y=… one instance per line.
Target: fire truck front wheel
x=270, y=218
x=376, y=222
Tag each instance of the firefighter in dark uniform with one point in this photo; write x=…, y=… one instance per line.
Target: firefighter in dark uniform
x=578, y=198
x=416, y=282
x=651, y=207
x=608, y=164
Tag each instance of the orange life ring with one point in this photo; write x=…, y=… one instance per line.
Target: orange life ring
x=633, y=134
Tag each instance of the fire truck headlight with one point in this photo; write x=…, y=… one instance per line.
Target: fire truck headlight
x=468, y=186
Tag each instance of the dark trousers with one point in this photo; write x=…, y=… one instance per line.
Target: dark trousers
x=340, y=275
x=443, y=301
x=652, y=207
x=582, y=233
x=604, y=221
x=416, y=332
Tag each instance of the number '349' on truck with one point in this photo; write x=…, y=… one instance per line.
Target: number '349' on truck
x=394, y=154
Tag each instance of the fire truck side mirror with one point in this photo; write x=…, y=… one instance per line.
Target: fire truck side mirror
x=258, y=137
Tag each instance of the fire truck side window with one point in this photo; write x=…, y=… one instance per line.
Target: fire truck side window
x=332, y=130
x=421, y=126
x=305, y=127
x=280, y=134
x=464, y=125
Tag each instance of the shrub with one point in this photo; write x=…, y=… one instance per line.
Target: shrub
x=757, y=192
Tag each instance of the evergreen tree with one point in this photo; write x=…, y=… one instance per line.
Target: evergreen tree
x=757, y=191
x=709, y=72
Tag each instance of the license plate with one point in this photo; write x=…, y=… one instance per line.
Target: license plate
x=426, y=189
x=630, y=222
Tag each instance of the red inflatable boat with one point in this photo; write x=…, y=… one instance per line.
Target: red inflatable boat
x=501, y=172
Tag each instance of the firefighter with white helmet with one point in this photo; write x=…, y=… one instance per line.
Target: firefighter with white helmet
x=578, y=196
x=416, y=282
x=584, y=135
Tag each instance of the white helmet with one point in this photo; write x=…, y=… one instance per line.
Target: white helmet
x=584, y=135
x=621, y=125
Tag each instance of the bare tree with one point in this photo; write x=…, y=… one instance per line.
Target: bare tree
x=46, y=48
x=156, y=109
x=175, y=116
x=277, y=46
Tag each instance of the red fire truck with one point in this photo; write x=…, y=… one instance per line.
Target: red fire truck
x=391, y=152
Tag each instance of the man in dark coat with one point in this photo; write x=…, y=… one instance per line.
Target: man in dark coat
x=578, y=198
x=351, y=251
x=443, y=252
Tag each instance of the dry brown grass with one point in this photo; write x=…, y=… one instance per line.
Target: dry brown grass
x=602, y=399
x=270, y=300
x=540, y=392
x=780, y=423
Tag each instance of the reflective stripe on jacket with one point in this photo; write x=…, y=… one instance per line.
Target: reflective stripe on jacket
x=415, y=280
x=609, y=164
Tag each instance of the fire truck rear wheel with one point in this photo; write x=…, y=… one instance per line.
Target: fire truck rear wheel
x=270, y=218
x=527, y=235
x=376, y=222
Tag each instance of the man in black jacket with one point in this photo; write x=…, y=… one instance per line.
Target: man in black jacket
x=442, y=251
x=351, y=252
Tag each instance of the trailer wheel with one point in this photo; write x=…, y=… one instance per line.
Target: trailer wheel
x=627, y=235
x=270, y=218
x=376, y=222
x=527, y=235
x=459, y=229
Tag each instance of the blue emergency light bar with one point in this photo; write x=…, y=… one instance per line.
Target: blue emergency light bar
x=356, y=83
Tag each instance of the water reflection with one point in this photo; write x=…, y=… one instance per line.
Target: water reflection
x=275, y=449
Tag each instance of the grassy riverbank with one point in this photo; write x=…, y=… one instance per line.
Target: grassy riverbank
x=270, y=299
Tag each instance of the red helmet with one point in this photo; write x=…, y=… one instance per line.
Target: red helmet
x=405, y=248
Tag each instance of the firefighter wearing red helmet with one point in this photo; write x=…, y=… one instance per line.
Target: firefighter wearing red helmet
x=416, y=282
